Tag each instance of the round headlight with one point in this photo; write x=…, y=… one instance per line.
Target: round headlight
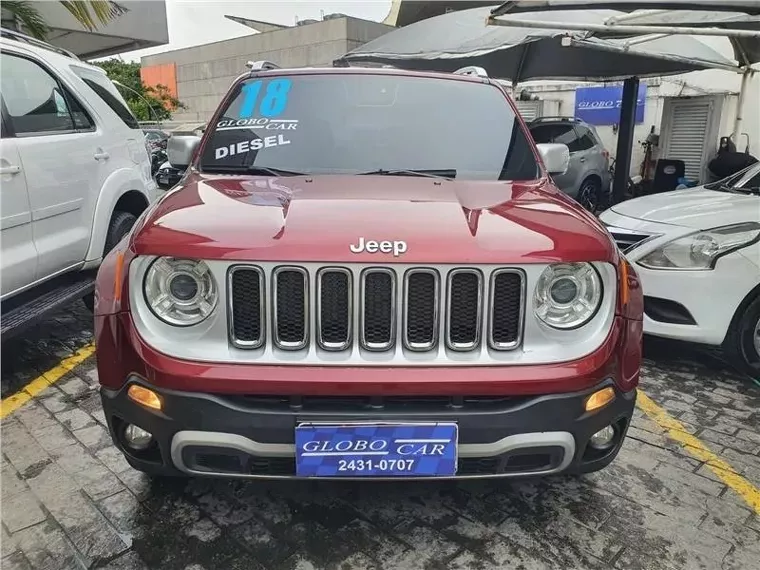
x=181, y=292
x=567, y=295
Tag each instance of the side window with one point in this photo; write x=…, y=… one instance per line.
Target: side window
x=35, y=101
x=556, y=133
x=104, y=89
x=753, y=182
x=586, y=139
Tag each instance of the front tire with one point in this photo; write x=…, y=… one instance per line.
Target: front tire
x=121, y=223
x=743, y=342
x=590, y=194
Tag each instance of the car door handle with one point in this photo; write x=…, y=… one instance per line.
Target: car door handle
x=12, y=169
x=582, y=159
x=101, y=155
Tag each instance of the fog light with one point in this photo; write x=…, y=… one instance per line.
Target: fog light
x=603, y=438
x=600, y=399
x=147, y=398
x=136, y=437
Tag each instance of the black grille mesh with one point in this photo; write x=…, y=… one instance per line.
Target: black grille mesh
x=378, y=307
x=507, y=303
x=291, y=306
x=421, y=308
x=246, y=305
x=464, y=306
x=334, y=307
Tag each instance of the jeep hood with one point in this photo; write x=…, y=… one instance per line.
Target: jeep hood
x=317, y=218
x=697, y=208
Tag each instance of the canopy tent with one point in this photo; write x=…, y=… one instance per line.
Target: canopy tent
x=457, y=39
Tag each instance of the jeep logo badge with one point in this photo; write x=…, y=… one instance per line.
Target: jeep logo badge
x=370, y=246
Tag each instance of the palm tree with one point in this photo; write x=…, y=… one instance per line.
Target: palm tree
x=23, y=15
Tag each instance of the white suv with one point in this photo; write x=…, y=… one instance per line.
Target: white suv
x=74, y=177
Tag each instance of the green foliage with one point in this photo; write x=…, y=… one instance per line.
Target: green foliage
x=162, y=103
x=89, y=13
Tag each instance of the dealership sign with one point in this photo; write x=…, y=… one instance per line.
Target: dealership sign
x=601, y=105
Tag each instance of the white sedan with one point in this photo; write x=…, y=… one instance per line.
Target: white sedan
x=697, y=252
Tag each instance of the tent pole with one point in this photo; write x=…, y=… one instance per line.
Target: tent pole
x=625, y=139
x=740, y=105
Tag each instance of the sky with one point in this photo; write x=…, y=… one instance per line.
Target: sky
x=195, y=22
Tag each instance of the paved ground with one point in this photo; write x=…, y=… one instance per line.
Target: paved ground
x=70, y=501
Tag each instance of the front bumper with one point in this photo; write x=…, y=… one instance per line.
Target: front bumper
x=253, y=436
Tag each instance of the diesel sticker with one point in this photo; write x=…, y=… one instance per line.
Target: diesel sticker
x=246, y=146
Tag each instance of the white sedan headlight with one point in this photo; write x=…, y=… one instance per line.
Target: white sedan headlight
x=180, y=292
x=699, y=251
x=567, y=295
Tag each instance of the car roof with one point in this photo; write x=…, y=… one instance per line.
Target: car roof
x=44, y=50
x=555, y=120
x=356, y=70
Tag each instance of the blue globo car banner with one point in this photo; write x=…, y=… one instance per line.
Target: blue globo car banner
x=601, y=105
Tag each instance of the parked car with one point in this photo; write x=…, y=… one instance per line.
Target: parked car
x=168, y=176
x=587, y=178
x=346, y=283
x=697, y=252
x=156, y=138
x=75, y=176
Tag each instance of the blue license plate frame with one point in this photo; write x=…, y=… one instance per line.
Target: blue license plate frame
x=376, y=449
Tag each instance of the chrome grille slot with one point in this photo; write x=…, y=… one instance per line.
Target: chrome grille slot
x=334, y=294
x=375, y=315
x=507, y=305
x=421, y=308
x=378, y=294
x=246, y=311
x=290, y=290
x=464, y=309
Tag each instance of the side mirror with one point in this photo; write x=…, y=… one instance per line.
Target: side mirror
x=556, y=157
x=180, y=150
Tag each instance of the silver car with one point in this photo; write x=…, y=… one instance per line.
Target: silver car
x=587, y=179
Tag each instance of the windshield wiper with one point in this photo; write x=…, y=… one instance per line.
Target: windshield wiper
x=737, y=189
x=272, y=171
x=447, y=173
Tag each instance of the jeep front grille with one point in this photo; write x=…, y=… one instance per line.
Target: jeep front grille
x=357, y=308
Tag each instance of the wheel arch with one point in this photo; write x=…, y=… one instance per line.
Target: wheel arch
x=121, y=190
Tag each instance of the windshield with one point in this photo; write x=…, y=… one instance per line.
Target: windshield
x=747, y=179
x=353, y=124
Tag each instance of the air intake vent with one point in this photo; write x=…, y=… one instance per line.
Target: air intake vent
x=465, y=309
x=421, y=309
x=507, y=306
x=247, y=307
x=334, y=290
x=379, y=309
x=291, y=310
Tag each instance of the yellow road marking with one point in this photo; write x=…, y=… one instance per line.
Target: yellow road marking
x=699, y=450
x=45, y=380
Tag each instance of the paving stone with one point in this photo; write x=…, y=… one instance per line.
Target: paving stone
x=10, y=483
x=729, y=522
x=75, y=419
x=497, y=554
x=15, y=561
x=21, y=511
x=748, y=436
x=264, y=545
x=34, y=417
x=74, y=386
x=55, y=401
x=46, y=547
x=731, y=442
x=94, y=437
x=114, y=459
x=204, y=530
x=128, y=561
x=21, y=449
x=707, y=486
x=54, y=437
x=124, y=512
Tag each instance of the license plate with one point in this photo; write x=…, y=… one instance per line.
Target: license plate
x=376, y=450
x=163, y=179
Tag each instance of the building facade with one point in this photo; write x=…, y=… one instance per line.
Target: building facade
x=199, y=76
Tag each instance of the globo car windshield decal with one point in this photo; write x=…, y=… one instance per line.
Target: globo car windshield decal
x=260, y=106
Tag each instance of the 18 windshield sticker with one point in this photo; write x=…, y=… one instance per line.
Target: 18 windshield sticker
x=262, y=105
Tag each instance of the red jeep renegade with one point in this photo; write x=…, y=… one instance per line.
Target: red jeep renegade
x=367, y=273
